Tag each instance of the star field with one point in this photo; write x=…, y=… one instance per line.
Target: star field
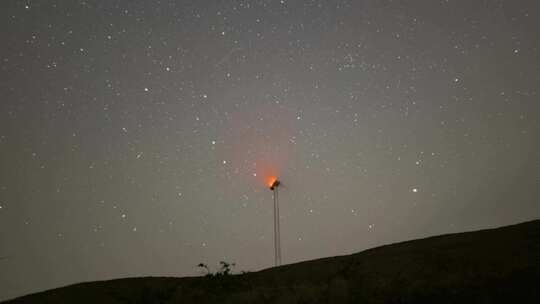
x=136, y=136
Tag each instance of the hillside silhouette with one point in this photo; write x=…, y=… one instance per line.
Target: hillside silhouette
x=499, y=265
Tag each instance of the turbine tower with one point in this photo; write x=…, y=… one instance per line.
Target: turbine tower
x=277, y=238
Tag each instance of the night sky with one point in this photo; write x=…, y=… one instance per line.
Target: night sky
x=136, y=137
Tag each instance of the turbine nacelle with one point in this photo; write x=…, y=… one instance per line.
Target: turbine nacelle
x=275, y=183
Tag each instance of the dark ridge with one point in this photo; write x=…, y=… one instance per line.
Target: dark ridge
x=499, y=265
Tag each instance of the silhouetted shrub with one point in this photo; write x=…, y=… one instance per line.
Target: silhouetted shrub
x=225, y=269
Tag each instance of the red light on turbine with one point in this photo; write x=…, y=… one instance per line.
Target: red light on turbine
x=270, y=180
x=274, y=183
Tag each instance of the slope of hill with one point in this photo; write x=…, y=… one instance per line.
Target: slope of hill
x=489, y=266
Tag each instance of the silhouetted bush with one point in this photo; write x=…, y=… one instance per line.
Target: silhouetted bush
x=224, y=269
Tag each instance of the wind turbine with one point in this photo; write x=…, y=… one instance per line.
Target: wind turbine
x=274, y=185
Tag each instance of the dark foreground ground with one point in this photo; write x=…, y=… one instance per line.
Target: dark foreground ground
x=489, y=266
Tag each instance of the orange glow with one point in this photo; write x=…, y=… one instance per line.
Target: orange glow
x=270, y=181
